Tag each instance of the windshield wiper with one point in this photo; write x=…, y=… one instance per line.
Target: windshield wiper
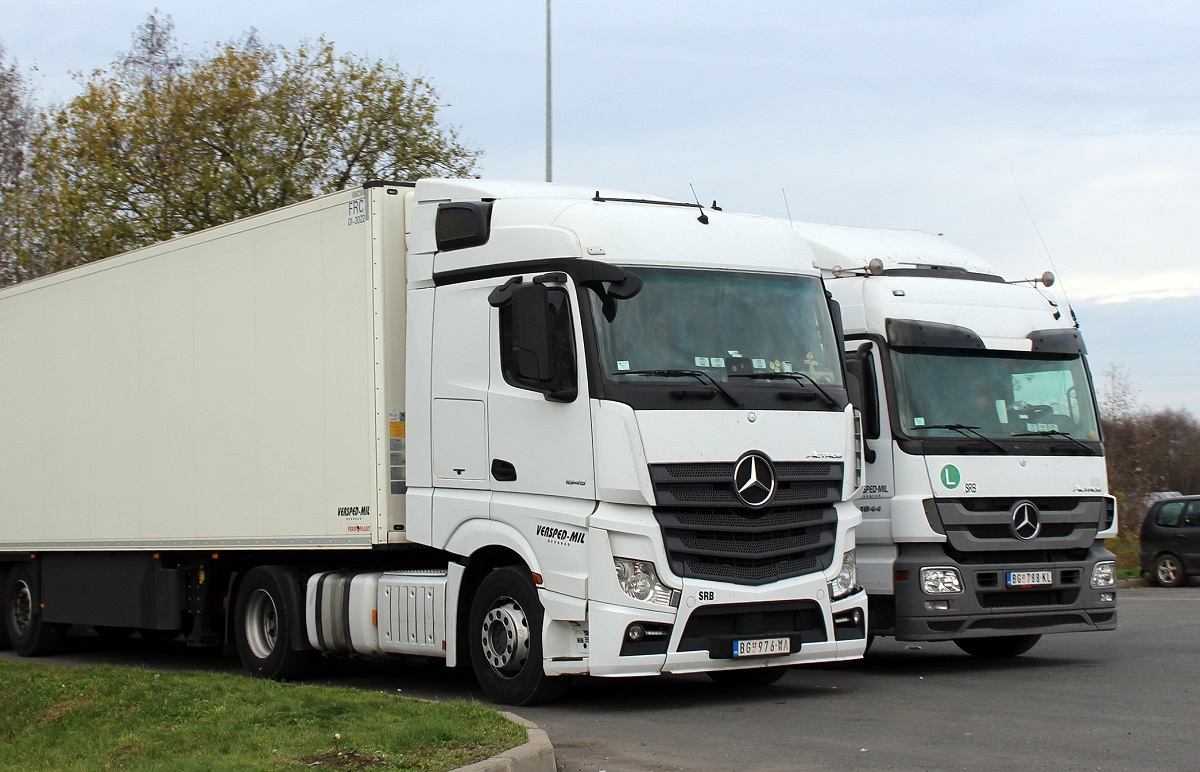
x=699, y=375
x=790, y=377
x=1056, y=433
x=969, y=431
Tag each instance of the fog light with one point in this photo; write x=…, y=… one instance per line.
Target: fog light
x=1107, y=597
x=635, y=632
x=937, y=605
x=941, y=581
x=854, y=618
x=1104, y=574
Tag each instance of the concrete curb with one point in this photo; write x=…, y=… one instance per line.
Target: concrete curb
x=537, y=755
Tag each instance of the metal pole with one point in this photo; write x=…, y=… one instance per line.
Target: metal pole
x=549, y=175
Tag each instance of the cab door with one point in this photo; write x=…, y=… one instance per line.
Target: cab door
x=876, y=551
x=541, y=466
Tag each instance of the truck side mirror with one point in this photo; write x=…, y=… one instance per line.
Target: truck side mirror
x=537, y=338
x=531, y=332
x=861, y=383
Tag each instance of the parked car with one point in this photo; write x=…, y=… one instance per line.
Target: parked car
x=1171, y=540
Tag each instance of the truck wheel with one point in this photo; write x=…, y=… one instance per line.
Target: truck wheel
x=1168, y=571
x=264, y=627
x=5, y=641
x=742, y=679
x=28, y=634
x=506, y=640
x=999, y=647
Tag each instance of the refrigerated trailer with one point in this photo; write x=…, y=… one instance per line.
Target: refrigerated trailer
x=986, y=505
x=537, y=429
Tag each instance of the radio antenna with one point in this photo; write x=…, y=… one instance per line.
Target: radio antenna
x=1045, y=249
x=703, y=218
x=786, y=208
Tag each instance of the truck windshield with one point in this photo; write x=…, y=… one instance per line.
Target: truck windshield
x=996, y=394
x=733, y=335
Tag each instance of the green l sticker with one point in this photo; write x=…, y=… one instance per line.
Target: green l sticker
x=950, y=476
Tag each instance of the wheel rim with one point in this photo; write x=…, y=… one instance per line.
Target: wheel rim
x=505, y=635
x=22, y=608
x=1168, y=571
x=262, y=624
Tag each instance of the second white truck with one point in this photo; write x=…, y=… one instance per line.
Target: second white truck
x=986, y=505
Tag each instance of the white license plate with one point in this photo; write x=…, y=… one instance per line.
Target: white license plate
x=1029, y=578
x=762, y=647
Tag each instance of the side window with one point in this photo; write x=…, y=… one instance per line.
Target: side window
x=523, y=334
x=1169, y=514
x=1192, y=516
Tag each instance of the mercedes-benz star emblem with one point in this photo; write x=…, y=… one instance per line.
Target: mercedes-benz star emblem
x=754, y=479
x=1026, y=520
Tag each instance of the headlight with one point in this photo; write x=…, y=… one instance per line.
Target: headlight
x=846, y=581
x=1104, y=574
x=639, y=581
x=941, y=581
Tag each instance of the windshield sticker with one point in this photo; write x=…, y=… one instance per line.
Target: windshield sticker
x=717, y=361
x=1041, y=427
x=759, y=364
x=702, y=362
x=918, y=421
x=622, y=365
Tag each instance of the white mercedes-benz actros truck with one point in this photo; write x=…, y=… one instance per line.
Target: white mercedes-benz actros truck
x=535, y=429
x=986, y=505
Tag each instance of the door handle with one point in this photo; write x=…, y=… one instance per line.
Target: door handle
x=503, y=471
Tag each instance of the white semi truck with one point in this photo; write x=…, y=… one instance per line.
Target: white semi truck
x=986, y=504
x=537, y=429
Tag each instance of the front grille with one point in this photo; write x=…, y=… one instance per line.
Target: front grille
x=977, y=525
x=709, y=534
x=714, y=628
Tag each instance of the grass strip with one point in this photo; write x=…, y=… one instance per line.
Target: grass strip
x=60, y=718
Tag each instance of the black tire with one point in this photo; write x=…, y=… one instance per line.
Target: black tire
x=266, y=628
x=1168, y=571
x=5, y=641
x=28, y=634
x=743, y=679
x=998, y=647
x=505, y=635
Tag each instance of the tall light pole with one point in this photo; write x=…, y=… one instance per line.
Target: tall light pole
x=549, y=175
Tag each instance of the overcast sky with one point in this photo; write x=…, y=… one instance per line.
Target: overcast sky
x=940, y=116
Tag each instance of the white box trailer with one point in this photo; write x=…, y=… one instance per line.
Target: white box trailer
x=986, y=505
x=531, y=427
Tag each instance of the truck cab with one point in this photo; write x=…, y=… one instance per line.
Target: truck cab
x=986, y=503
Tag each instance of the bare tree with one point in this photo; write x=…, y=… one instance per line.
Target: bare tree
x=18, y=116
x=1131, y=444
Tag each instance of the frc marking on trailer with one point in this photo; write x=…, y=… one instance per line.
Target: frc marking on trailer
x=556, y=535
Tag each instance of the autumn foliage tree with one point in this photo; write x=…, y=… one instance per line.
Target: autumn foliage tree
x=164, y=142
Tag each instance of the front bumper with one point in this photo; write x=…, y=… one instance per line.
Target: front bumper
x=986, y=607
x=699, y=636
